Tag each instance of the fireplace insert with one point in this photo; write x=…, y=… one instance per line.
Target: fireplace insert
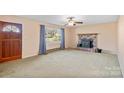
x=85, y=43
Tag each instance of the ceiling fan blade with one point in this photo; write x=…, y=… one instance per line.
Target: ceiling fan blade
x=79, y=22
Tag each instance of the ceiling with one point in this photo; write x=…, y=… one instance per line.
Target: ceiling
x=62, y=19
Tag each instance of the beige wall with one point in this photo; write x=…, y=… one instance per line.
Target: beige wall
x=121, y=42
x=107, y=35
x=30, y=34
x=70, y=38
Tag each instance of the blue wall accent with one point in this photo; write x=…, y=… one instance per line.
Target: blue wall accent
x=42, y=49
x=62, y=45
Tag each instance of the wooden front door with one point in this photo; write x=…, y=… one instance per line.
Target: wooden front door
x=10, y=41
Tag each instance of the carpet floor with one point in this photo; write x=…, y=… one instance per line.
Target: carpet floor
x=64, y=64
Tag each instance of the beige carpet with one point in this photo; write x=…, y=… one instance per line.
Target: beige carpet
x=64, y=63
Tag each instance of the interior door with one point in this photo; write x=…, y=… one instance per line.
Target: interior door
x=11, y=41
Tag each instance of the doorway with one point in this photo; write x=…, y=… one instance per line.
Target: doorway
x=10, y=41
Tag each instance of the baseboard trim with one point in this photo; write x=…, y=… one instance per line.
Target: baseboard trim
x=53, y=50
x=109, y=52
x=103, y=51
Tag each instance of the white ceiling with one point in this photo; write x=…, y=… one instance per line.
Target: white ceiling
x=62, y=19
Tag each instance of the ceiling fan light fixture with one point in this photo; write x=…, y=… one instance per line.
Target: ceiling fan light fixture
x=71, y=23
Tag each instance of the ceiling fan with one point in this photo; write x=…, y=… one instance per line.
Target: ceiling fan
x=72, y=22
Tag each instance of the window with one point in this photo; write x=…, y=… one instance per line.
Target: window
x=53, y=37
x=11, y=28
